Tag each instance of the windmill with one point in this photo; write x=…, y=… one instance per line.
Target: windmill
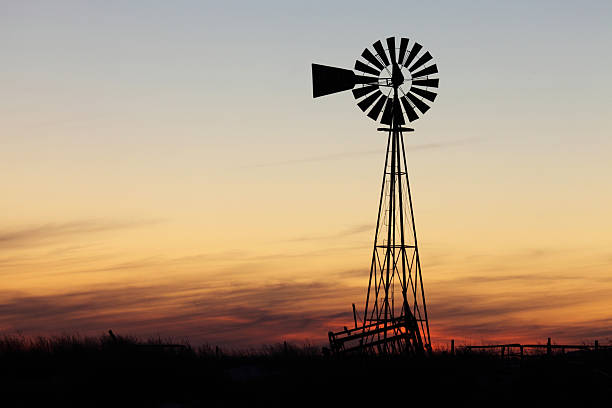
x=392, y=86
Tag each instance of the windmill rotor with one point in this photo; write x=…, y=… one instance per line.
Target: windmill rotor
x=393, y=69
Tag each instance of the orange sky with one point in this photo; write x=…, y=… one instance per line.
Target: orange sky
x=166, y=172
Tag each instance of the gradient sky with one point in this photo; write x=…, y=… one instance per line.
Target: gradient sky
x=166, y=172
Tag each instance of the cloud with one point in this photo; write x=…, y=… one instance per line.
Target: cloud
x=315, y=159
x=242, y=314
x=526, y=332
x=226, y=305
x=354, y=230
x=346, y=155
x=517, y=312
x=530, y=278
x=458, y=142
x=51, y=232
x=232, y=315
x=485, y=305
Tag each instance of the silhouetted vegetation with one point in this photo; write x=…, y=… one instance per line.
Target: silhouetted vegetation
x=116, y=371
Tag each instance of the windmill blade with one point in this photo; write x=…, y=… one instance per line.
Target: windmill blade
x=364, y=90
x=368, y=56
x=328, y=80
x=387, y=116
x=413, y=53
x=398, y=115
x=421, y=61
x=430, y=96
x=381, y=52
x=367, y=102
x=412, y=115
x=402, y=51
x=360, y=66
x=377, y=107
x=391, y=47
x=432, y=69
x=422, y=106
x=432, y=83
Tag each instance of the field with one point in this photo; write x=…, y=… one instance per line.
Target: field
x=119, y=371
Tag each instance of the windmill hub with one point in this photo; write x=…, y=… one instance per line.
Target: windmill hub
x=397, y=77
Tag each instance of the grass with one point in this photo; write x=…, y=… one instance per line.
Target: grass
x=126, y=371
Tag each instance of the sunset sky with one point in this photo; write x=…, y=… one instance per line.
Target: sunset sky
x=166, y=172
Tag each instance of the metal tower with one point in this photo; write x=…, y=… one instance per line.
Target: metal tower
x=395, y=314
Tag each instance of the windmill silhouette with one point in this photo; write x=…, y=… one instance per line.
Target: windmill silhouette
x=393, y=85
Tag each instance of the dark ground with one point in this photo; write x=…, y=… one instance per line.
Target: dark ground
x=102, y=372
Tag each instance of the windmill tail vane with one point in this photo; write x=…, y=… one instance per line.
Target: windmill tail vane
x=394, y=84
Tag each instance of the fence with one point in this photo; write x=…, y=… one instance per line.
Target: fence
x=519, y=350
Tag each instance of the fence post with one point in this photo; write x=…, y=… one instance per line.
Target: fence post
x=596, y=345
x=521, y=352
x=452, y=347
x=548, y=347
x=503, y=350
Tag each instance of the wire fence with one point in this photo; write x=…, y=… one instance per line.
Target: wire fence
x=520, y=350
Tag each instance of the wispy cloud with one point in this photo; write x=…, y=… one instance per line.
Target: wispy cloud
x=353, y=230
x=348, y=155
x=225, y=304
x=521, y=307
x=313, y=159
x=44, y=233
x=439, y=145
x=244, y=313
x=484, y=305
x=238, y=315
